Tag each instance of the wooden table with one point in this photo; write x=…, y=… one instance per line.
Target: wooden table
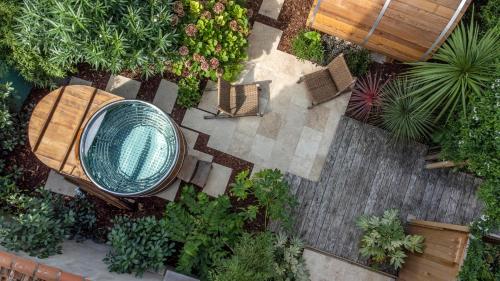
x=55, y=127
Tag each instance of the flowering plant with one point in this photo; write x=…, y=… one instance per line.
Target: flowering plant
x=213, y=39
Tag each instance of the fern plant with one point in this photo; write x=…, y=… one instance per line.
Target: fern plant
x=264, y=257
x=206, y=227
x=384, y=239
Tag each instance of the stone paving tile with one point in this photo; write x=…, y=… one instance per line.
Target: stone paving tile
x=166, y=95
x=208, y=100
x=270, y=125
x=171, y=192
x=193, y=119
x=308, y=143
x=241, y=145
x=271, y=8
x=222, y=132
x=57, y=183
x=79, y=81
x=123, y=86
x=317, y=117
x=217, y=180
x=261, y=149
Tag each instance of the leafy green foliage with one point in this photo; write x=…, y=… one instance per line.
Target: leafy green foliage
x=264, y=257
x=84, y=226
x=489, y=15
x=52, y=36
x=8, y=13
x=473, y=139
x=189, y=92
x=5, y=118
x=461, y=68
x=481, y=263
x=38, y=225
x=138, y=245
x=206, y=227
x=307, y=46
x=272, y=194
x=402, y=113
x=384, y=239
x=253, y=259
x=291, y=265
x=357, y=58
x=213, y=36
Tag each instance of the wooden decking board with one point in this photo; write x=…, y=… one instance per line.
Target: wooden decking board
x=332, y=222
x=365, y=173
x=333, y=164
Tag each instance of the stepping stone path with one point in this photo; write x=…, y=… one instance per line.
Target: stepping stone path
x=271, y=8
x=165, y=98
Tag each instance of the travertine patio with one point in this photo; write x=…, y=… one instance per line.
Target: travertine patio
x=289, y=136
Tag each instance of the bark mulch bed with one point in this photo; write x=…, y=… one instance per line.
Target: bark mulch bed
x=292, y=20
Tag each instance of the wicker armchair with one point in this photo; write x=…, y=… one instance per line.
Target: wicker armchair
x=329, y=83
x=236, y=100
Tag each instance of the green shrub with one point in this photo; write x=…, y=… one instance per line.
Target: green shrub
x=253, y=259
x=8, y=12
x=53, y=36
x=206, y=227
x=489, y=193
x=85, y=223
x=213, y=38
x=402, y=114
x=489, y=15
x=461, y=68
x=291, y=265
x=473, y=137
x=189, y=92
x=384, y=239
x=357, y=58
x=138, y=245
x=264, y=257
x=272, y=194
x=37, y=225
x=481, y=263
x=5, y=117
x=307, y=46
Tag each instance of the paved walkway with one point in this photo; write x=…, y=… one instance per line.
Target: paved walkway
x=323, y=267
x=366, y=173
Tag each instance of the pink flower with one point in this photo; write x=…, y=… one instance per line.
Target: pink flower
x=196, y=57
x=191, y=30
x=220, y=71
x=185, y=72
x=249, y=13
x=183, y=51
x=174, y=20
x=206, y=15
x=178, y=8
x=214, y=63
x=188, y=64
x=204, y=66
x=218, y=48
x=233, y=25
x=203, y=59
x=218, y=8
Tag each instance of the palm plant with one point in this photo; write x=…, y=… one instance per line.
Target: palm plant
x=463, y=66
x=402, y=113
x=366, y=96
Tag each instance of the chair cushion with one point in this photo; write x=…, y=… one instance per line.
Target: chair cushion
x=320, y=86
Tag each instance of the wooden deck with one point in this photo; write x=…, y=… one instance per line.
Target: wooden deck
x=366, y=173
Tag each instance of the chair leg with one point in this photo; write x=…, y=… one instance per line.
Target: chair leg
x=312, y=105
x=301, y=79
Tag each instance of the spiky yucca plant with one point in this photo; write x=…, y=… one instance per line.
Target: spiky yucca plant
x=384, y=239
x=462, y=67
x=402, y=114
x=366, y=96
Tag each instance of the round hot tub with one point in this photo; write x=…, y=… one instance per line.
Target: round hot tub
x=131, y=148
